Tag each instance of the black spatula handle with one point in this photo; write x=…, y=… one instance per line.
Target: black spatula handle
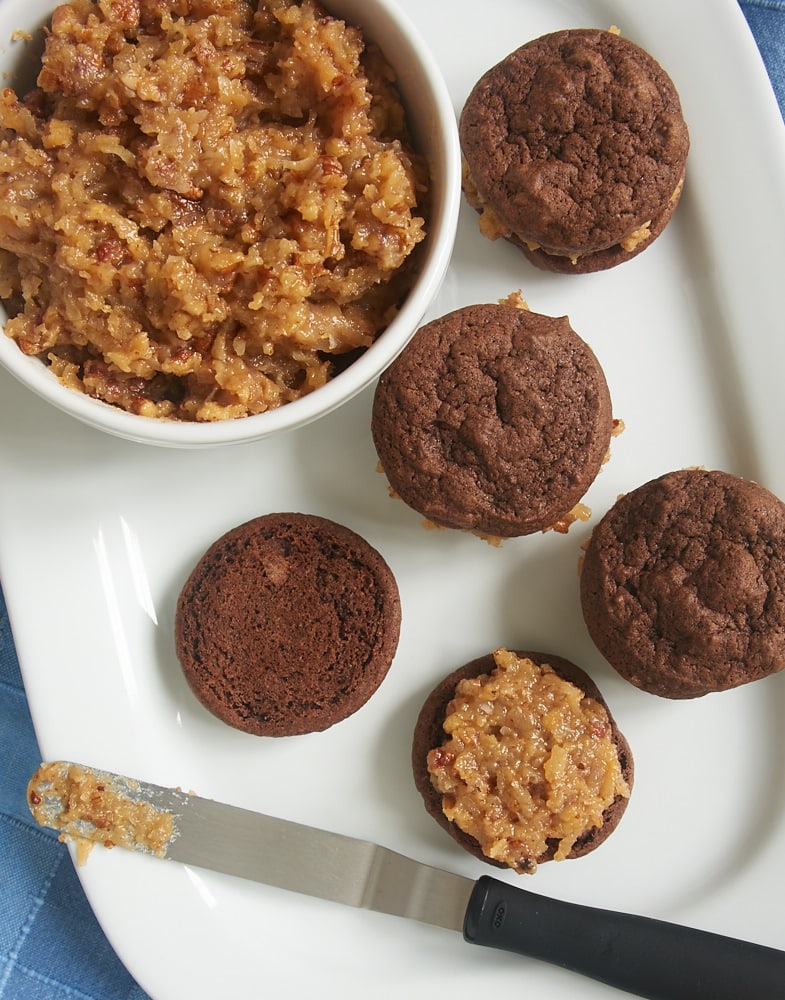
x=645, y=957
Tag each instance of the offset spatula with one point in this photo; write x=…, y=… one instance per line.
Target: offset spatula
x=645, y=957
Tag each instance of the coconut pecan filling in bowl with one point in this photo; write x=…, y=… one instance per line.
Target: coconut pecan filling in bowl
x=209, y=209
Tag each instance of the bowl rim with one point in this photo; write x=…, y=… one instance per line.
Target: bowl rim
x=383, y=17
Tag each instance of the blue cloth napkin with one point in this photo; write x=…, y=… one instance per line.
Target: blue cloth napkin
x=766, y=19
x=51, y=946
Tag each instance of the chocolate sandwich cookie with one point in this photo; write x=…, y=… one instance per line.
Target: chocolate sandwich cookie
x=287, y=624
x=517, y=757
x=683, y=584
x=575, y=149
x=493, y=419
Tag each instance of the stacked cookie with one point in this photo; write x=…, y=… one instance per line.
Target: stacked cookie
x=575, y=149
x=494, y=419
x=683, y=584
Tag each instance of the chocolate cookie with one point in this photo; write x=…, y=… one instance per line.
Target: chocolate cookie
x=575, y=145
x=429, y=734
x=493, y=419
x=683, y=584
x=287, y=625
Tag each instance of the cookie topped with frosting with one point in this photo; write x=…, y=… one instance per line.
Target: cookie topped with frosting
x=518, y=758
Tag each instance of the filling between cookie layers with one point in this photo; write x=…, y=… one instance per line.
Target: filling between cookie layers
x=529, y=760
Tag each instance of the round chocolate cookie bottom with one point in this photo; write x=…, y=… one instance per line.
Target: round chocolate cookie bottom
x=683, y=584
x=493, y=419
x=287, y=625
x=429, y=734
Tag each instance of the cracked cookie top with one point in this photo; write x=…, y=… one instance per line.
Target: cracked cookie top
x=576, y=140
x=683, y=584
x=494, y=419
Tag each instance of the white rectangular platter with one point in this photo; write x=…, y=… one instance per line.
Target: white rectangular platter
x=97, y=536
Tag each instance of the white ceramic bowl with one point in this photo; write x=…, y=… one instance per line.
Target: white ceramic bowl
x=432, y=119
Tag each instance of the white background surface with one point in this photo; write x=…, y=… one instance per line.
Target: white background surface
x=97, y=536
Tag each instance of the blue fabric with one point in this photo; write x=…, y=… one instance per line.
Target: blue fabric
x=51, y=947
x=766, y=19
